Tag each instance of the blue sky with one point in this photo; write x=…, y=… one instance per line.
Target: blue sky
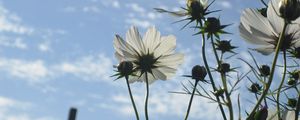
x=57, y=54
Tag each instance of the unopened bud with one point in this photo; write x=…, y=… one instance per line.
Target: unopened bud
x=224, y=68
x=212, y=25
x=289, y=9
x=198, y=72
x=264, y=70
x=291, y=81
x=255, y=88
x=219, y=92
x=292, y=102
x=125, y=68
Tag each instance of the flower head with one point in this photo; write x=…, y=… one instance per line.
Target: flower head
x=199, y=72
x=255, y=88
x=151, y=54
x=195, y=10
x=124, y=69
x=289, y=9
x=264, y=70
x=265, y=31
x=212, y=26
x=224, y=46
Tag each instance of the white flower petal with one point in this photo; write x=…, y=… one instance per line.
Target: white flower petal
x=256, y=24
x=159, y=74
x=251, y=38
x=265, y=50
x=151, y=39
x=273, y=16
x=170, y=60
x=169, y=72
x=121, y=45
x=166, y=46
x=134, y=39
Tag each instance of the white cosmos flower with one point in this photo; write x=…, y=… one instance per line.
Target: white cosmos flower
x=151, y=54
x=265, y=31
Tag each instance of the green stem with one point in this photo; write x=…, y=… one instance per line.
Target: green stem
x=224, y=81
x=147, y=96
x=298, y=105
x=268, y=85
x=132, y=100
x=210, y=75
x=280, y=85
x=191, y=100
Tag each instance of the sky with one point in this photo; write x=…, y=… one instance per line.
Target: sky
x=58, y=54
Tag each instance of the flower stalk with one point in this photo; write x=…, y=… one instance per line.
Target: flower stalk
x=268, y=85
x=132, y=100
x=224, y=81
x=210, y=75
x=147, y=96
x=297, y=110
x=281, y=83
x=191, y=100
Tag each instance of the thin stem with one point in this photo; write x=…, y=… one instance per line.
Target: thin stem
x=268, y=85
x=210, y=75
x=298, y=105
x=224, y=81
x=191, y=100
x=132, y=100
x=280, y=85
x=147, y=96
x=264, y=3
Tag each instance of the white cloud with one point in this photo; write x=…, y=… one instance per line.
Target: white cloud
x=44, y=47
x=91, y=9
x=138, y=22
x=8, y=106
x=90, y=68
x=31, y=71
x=164, y=103
x=10, y=22
x=111, y=3
x=225, y=4
x=136, y=7
x=13, y=42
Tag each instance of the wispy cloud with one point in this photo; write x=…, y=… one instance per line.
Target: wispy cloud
x=225, y=4
x=31, y=71
x=12, y=42
x=90, y=68
x=9, y=105
x=10, y=22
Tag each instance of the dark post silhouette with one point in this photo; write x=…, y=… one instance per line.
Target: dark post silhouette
x=72, y=114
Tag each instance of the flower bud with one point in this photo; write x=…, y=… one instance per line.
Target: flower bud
x=224, y=68
x=295, y=74
x=212, y=25
x=262, y=114
x=219, y=92
x=125, y=68
x=289, y=9
x=198, y=72
x=291, y=81
x=255, y=88
x=264, y=70
x=196, y=9
x=292, y=102
x=295, y=52
x=224, y=46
